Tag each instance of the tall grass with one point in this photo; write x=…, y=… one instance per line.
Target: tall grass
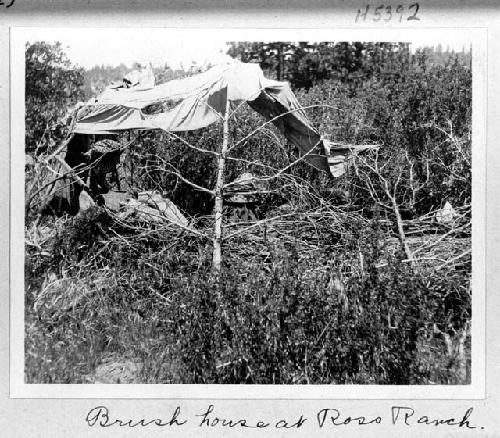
x=331, y=314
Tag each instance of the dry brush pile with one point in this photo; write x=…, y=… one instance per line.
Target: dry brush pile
x=307, y=295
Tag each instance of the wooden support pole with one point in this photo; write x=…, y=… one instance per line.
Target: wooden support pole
x=219, y=203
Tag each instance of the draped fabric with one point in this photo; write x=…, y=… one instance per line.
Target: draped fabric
x=198, y=101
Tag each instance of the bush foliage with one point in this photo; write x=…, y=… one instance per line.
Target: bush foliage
x=279, y=319
x=53, y=85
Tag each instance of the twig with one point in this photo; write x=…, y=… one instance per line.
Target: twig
x=454, y=259
x=244, y=139
x=196, y=148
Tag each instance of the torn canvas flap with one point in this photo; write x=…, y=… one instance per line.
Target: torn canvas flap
x=197, y=101
x=103, y=119
x=339, y=155
x=294, y=127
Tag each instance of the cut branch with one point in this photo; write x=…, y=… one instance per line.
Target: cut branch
x=265, y=124
x=189, y=145
x=175, y=172
x=281, y=171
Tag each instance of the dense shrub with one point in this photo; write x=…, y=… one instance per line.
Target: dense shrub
x=53, y=85
x=291, y=317
x=422, y=120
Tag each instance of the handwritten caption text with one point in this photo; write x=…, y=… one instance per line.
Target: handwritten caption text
x=405, y=416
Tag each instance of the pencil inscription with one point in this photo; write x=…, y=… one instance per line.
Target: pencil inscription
x=335, y=417
x=386, y=13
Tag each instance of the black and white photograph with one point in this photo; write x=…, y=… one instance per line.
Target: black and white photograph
x=202, y=210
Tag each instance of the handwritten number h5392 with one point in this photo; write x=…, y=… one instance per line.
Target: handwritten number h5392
x=386, y=13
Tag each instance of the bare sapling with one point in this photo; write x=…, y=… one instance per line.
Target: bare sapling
x=218, y=190
x=384, y=193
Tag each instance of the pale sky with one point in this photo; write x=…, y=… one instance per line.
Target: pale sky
x=101, y=46
x=176, y=47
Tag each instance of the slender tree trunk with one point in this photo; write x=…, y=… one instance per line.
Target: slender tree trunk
x=217, y=254
x=401, y=232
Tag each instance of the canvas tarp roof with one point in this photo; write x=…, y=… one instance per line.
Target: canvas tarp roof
x=198, y=101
